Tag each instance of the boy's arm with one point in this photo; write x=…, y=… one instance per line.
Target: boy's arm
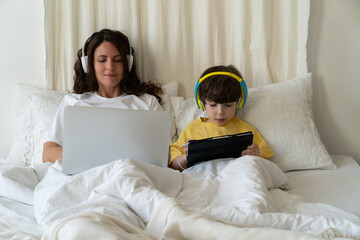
x=179, y=163
x=178, y=153
x=179, y=148
x=265, y=150
x=253, y=149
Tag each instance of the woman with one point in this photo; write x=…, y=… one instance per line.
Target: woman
x=105, y=76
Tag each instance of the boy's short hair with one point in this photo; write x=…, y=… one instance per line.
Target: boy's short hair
x=220, y=88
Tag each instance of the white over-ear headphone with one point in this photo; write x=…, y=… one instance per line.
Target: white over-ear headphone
x=130, y=59
x=85, y=60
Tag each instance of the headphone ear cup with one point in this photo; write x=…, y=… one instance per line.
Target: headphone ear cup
x=84, y=63
x=130, y=60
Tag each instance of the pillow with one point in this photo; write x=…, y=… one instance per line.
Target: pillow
x=167, y=106
x=169, y=90
x=185, y=111
x=283, y=114
x=172, y=88
x=19, y=152
x=43, y=110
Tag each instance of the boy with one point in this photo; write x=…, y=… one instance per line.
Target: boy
x=218, y=94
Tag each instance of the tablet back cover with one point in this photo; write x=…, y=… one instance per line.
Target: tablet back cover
x=229, y=146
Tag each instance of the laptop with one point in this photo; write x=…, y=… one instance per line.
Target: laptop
x=94, y=136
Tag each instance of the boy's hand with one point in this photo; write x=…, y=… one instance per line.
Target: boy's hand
x=253, y=149
x=180, y=164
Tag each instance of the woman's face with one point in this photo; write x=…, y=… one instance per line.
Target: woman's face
x=109, y=68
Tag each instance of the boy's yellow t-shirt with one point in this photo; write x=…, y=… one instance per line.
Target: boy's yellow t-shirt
x=200, y=129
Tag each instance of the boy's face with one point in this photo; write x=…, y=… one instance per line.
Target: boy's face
x=220, y=113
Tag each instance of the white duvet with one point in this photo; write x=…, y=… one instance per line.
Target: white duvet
x=231, y=199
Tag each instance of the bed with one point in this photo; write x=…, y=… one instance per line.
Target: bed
x=302, y=193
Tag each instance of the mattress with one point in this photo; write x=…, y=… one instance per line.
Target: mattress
x=339, y=187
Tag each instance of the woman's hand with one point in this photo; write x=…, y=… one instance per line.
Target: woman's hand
x=52, y=152
x=253, y=149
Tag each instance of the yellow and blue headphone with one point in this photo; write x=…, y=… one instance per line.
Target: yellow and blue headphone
x=244, y=91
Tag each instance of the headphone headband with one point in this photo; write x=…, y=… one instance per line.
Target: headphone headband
x=239, y=79
x=85, y=59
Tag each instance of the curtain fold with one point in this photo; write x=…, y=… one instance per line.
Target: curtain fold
x=176, y=40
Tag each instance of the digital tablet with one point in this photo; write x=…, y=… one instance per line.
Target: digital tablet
x=228, y=146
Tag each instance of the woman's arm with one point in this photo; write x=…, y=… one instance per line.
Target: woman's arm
x=52, y=152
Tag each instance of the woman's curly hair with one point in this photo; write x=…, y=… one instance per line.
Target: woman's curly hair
x=130, y=84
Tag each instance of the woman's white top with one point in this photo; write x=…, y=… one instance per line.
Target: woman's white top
x=143, y=102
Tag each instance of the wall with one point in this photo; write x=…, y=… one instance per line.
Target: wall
x=334, y=60
x=22, y=58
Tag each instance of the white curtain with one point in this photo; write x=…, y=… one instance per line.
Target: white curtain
x=176, y=40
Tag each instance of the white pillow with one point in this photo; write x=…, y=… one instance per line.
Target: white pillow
x=283, y=114
x=169, y=90
x=167, y=106
x=185, y=111
x=43, y=110
x=172, y=88
x=20, y=151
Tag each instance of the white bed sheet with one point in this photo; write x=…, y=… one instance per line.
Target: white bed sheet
x=17, y=210
x=17, y=219
x=145, y=195
x=339, y=187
